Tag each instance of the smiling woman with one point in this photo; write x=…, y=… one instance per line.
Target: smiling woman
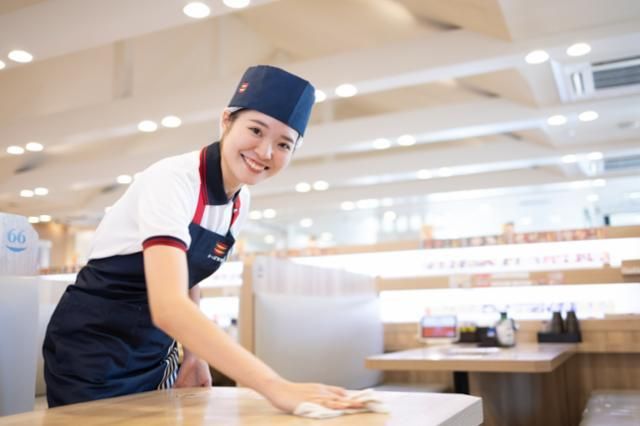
x=114, y=332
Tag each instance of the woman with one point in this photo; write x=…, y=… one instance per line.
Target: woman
x=114, y=331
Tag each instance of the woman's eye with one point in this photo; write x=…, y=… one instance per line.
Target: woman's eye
x=256, y=131
x=286, y=146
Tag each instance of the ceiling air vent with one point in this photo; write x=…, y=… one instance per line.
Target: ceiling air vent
x=590, y=80
x=622, y=163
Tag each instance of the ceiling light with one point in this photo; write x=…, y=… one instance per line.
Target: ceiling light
x=124, y=179
x=445, y=172
x=303, y=187
x=347, y=205
x=556, y=120
x=346, y=90
x=368, y=203
x=236, y=4
x=171, y=121
x=34, y=219
x=406, y=140
x=578, y=49
x=595, y=156
x=26, y=193
x=15, y=150
x=320, y=185
x=196, y=10
x=269, y=239
x=568, y=159
x=255, y=215
x=320, y=96
x=306, y=222
x=147, y=126
x=389, y=216
x=2, y=65
x=45, y=218
x=381, y=143
x=424, y=174
x=41, y=191
x=268, y=213
x=536, y=57
x=20, y=56
x=34, y=147
x=592, y=198
x=588, y=116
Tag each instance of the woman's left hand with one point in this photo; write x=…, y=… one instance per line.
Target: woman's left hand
x=193, y=372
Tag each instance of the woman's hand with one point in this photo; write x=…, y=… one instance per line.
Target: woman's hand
x=287, y=395
x=193, y=372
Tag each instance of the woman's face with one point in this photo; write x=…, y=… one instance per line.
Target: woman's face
x=255, y=147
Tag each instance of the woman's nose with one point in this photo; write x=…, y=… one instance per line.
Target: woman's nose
x=264, y=149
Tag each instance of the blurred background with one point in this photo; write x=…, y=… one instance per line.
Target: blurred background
x=442, y=118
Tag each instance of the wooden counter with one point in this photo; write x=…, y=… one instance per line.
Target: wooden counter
x=237, y=406
x=523, y=358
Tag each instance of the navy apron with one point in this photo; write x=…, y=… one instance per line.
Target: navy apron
x=101, y=342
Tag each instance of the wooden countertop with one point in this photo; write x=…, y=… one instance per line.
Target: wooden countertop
x=238, y=406
x=523, y=358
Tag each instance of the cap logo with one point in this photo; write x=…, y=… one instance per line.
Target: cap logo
x=243, y=87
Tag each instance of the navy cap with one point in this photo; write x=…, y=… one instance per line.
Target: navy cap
x=277, y=93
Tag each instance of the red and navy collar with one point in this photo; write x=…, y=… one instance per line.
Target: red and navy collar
x=211, y=176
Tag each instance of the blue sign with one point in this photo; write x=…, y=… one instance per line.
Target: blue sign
x=16, y=240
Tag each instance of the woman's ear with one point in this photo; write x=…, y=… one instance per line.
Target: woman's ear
x=225, y=121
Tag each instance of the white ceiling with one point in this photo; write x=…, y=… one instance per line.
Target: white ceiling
x=450, y=73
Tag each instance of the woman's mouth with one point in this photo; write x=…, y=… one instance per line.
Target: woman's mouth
x=253, y=165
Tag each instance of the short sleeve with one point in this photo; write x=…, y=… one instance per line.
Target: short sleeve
x=166, y=204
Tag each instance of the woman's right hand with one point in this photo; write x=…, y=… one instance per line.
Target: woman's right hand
x=286, y=395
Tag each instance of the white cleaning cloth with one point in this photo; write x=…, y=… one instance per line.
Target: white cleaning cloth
x=317, y=411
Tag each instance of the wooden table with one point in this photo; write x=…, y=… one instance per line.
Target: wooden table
x=524, y=385
x=238, y=406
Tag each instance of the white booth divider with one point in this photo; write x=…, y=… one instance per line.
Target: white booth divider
x=316, y=324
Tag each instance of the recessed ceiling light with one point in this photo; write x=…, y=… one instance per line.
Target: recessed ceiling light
x=171, y=121
x=236, y=4
x=2, y=65
x=556, y=120
x=406, y=140
x=41, y=191
x=347, y=205
x=578, y=49
x=595, y=156
x=536, y=57
x=269, y=213
x=389, y=216
x=588, y=116
x=320, y=96
x=26, y=193
x=124, y=179
x=34, y=219
x=255, y=215
x=381, y=143
x=20, y=56
x=346, y=90
x=320, y=185
x=424, y=174
x=368, y=203
x=196, y=10
x=147, y=126
x=269, y=239
x=34, y=147
x=45, y=218
x=568, y=159
x=592, y=198
x=306, y=222
x=15, y=150
x=303, y=187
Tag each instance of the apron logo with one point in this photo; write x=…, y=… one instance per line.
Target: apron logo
x=220, y=249
x=243, y=87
